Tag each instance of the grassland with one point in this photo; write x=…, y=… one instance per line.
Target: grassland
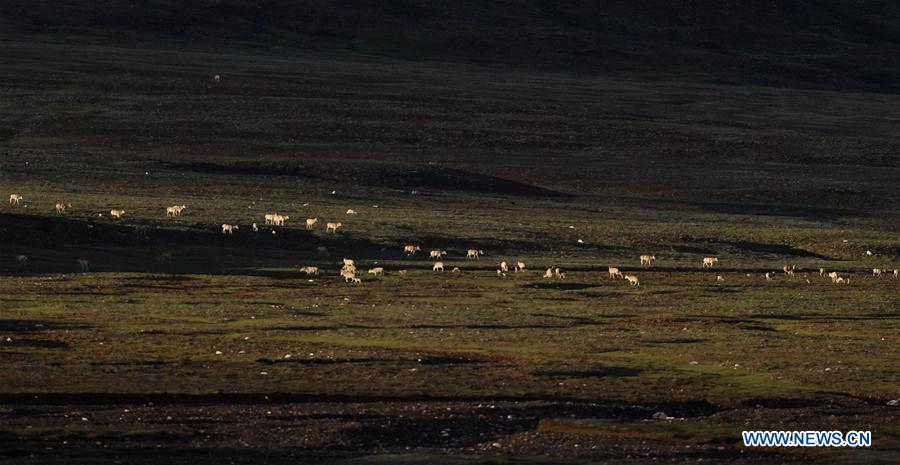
x=229, y=352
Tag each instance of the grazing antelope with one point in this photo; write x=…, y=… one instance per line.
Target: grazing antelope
x=229, y=228
x=474, y=254
x=270, y=218
x=255, y=228
x=349, y=262
x=876, y=272
x=520, y=266
x=504, y=267
x=116, y=213
x=333, y=227
x=22, y=259
x=834, y=276
x=310, y=270
x=720, y=279
x=788, y=270
x=437, y=253
x=14, y=199
x=455, y=270
x=310, y=222
x=559, y=273
x=768, y=276
x=438, y=266
x=351, y=211
x=278, y=220
x=632, y=280
x=84, y=264
x=646, y=259
x=708, y=262
x=614, y=273
x=377, y=271
x=62, y=207
x=410, y=249
x=896, y=273
x=548, y=273
x=822, y=272
x=164, y=258
x=348, y=276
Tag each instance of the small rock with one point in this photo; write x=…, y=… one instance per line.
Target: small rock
x=893, y=403
x=659, y=416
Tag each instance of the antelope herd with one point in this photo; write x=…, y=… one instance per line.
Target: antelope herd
x=348, y=270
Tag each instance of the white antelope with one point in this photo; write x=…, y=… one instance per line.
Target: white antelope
x=437, y=253
x=377, y=271
x=175, y=210
x=456, y=270
x=720, y=279
x=229, y=228
x=255, y=228
x=410, y=249
x=351, y=211
x=559, y=273
x=614, y=273
x=84, y=264
x=822, y=272
x=438, y=266
x=896, y=273
x=548, y=273
x=708, y=262
x=279, y=220
x=473, y=254
x=632, y=280
x=22, y=259
x=310, y=222
x=834, y=276
x=270, y=218
x=504, y=267
x=768, y=276
x=333, y=227
x=349, y=262
x=310, y=270
x=62, y=207
x=216, y=78
x=877, y=272
x=14, y=199
x=520, y=266
x=116, y=213
x=646, y=259
x=788, y=270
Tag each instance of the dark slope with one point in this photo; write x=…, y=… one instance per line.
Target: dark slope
x=826, y=44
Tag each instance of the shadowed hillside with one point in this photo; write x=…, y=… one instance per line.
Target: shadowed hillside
x=823, y=44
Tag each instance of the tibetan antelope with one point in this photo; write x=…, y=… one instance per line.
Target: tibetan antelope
x=504, y=266
x=333, y=227
x=614, y=273
x=473, y=254
x=646, y=259
x=520, y=266
x=410, y=249
x=708, y=262
x=438, y=266
x=310, y=222
x=84, y=264
x=437, y=253
x=14, y=199
x=632, y=280
x=310, y=270
x=116, y=213
x=62, y=207
x=229, y=228
x=377, y=271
